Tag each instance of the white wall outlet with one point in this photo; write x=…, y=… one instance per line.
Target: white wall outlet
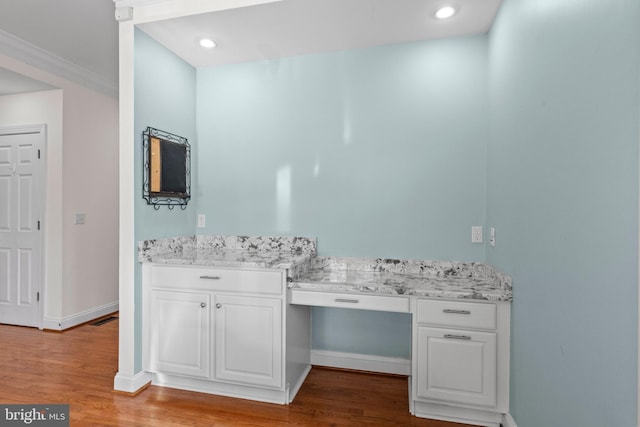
x=492, y=236
x=201, y=220
x=79, y=218
x=476, y=234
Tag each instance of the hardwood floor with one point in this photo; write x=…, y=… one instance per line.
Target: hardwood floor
x=78, y=366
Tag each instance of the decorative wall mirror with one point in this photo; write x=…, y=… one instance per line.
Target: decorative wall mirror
x=166, y=169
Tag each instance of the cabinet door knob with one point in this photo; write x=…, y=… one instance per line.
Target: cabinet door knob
x=218, y=305
x=203, y=305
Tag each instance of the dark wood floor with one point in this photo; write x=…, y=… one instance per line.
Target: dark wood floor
x=77, y=367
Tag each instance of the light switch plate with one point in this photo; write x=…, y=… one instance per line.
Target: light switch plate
x=79, y=218
x=201, y=220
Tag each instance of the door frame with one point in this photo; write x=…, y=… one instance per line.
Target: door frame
x=40, y=205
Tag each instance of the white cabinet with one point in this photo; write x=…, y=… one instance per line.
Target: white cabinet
x=457, y=366
x=248, y=340
x=180, y=333
x=224, y=331
x=461, y=361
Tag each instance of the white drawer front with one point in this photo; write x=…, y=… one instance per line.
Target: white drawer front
x=457, y=366
x=356, y=301
x=457, y=314
x=218, y=279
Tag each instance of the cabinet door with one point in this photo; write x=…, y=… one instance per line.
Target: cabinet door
x=249, y=340
x=180, y=333
x=457, y=365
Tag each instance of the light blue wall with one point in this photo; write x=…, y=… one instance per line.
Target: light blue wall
x=164, y=99
x=377, y=152
x=563, y=196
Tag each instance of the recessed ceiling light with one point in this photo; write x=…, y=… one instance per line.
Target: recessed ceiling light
x=445, y=12
x=207, y=43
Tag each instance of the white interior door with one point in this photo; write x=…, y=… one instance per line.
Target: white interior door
x=21, y=195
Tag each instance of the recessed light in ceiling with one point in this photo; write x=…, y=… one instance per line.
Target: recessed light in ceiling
x=207, y=43
x=445, y=12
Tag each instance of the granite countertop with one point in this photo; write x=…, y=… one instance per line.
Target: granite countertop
x=433, y=279
x=410, y=278
x=230, y=251
x=230, y=258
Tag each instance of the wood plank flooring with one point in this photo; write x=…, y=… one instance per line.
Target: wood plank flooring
x=78, y=366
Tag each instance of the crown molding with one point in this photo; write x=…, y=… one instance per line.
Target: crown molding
x=31, y=54
x=134, y=3
x=142, y=11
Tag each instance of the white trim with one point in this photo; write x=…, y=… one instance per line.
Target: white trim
x=508, y=421
x=293, y=391
x=124, y=14
x=637, y=337
x=134, y=3
x=457, y=414
x=42, y=286
x=79, y=318
x=131, y=383
x=156, y=10
x=127, y=257
x=229, y=389
x=361, y=362
x=33, y=55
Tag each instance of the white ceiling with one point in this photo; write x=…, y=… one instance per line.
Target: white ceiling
x=296, y=27
x=85, y=32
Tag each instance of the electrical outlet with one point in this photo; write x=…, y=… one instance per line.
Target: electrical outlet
x=492, y=236
x=201, y=220
x=476, y=234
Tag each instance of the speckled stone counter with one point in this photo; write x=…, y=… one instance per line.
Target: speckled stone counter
x=231, y=258
x=435, y=279
x=292, y=253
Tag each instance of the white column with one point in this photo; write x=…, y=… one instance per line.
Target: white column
x=127, y=380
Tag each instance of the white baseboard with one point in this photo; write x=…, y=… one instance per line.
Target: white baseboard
x=79, y=318
x=361, y=362
x=508, y=421
x=131, y=384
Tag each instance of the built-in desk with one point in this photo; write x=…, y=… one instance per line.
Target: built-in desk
x=231, y=315
x=460, y=327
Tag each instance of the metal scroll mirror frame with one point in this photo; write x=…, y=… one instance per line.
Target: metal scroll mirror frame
x=166, y=169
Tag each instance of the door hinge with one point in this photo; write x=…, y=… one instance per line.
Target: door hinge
x=38, y=296
x=38, y=225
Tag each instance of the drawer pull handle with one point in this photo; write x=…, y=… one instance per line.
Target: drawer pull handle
x=449, y=311
x=458, y=337
x=203, y=305
x=218, y=305
x=351, y=301
x=210, y=277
